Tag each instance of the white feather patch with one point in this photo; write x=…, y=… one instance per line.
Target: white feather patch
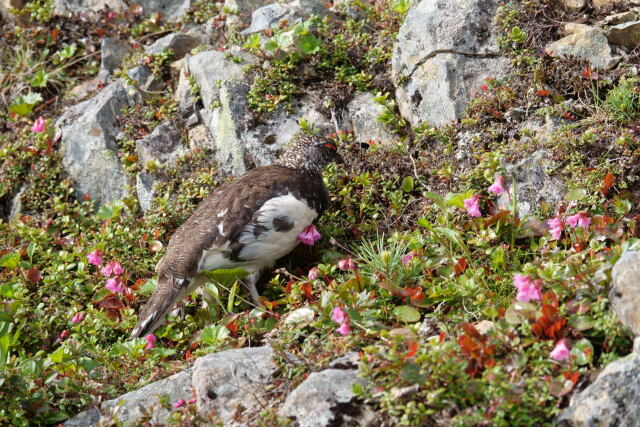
x=271, y=244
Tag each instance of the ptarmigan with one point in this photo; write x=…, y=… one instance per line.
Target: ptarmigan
x=247, y=223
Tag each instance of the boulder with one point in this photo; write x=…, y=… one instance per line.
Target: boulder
x=444, y=52
x=364, y=112
x=233, y=381
x=270, y=16
x=145, y=189
x=625, y=290
x=152, y=400
x=590, y=44
x=325, y=399
x=626, y=34
x=240, y=142
x=601, y=5
x=171, y=10
x=535, y=183
x=612, y=400
x=179, y=44
x=571, y=5
x=163, y=146
x=89, y=151
x=240, y=10
x=113, y=52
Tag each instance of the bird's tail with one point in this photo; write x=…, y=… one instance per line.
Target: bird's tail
x=168, y=292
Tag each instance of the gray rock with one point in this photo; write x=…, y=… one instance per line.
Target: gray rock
x=241, y=10
x=535, y=183
x=211, y=68
x=163, y=146
x=364, y=112
x=90, y=154
x=586, y=44
x=199, y=137
x=179, y=44
x=88, y=418
x=113, y=52
x=619, y=18
x=183, y=93
x=68, y=7
x=152, y=400
x=612, y=400
x=571, y=5
x=444, y=52
x=85, y=88
x=601, y=5
x=626, y=34
x=171, y=10
x=349, y=360
x=270, y=16
x=625, y=290
x=228, y=381
x=325, y=399
x=139, y=74
x=145, y=190
x=15, y=207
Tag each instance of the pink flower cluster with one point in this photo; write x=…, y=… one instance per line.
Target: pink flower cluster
x=116, y=283
x=339, y=316
x=528, y=289
x=314, y=273
x=150, y=339
x=309, y=235
x=406, y=259
x=557, y=225
x=77, y=318
x=472, y=204
x=561, y=351
x=346, y=264
x=39, y=125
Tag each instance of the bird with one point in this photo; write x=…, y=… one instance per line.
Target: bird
x=246, y=223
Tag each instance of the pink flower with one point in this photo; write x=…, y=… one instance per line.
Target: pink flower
x=473, y=206
x=95, y=257
x=314, y=273
x=39, y=125
x=179, y=403
x=338, y=315
x=64, y=334
x=528, y=289
x=498, y=186
x=561, y=351
x=77, y=318
x=556, y=226
x=580, y=219
x=192, y=400
x=116, y=286
x=406, y=259
x=310, y=235
x=151, y=339
x=346, y=264
x=113, y=267
x=344, y=329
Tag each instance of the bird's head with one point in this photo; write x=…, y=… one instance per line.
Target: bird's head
x=311, y=153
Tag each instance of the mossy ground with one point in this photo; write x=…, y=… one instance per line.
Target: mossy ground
x=426, y=274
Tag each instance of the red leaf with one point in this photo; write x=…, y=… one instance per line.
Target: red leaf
x=307, y=290
x=609, y=180
x=33, y=275
x=111, y=302
x=542, y=93
x=233, y=326
x=461, y=265
x=413, y=349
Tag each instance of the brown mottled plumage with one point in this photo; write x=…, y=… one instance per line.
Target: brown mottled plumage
x=246, y=223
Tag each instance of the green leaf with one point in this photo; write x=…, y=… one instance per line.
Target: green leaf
x=517, y=35
x=58, y=355
x=457, y=200
x=454, y=237
x=40, y=79
x=213, y=335
x=68, y=51
x=232, y=297
x=309, y=44
x=148, y=287
x=582, y=351
x=411, y=374
x=23, y=105
x=407, y=184
x=56, y=417
x=575, y=195
x=87, y=364
x=31, y=249
x=300, y=315
x=253, y=42
x=10, y=261
x=406, y=313
x=5, y=345
x=226, y=276
x=110, y=211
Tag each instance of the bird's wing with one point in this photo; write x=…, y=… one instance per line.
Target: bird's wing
x=230, y=227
